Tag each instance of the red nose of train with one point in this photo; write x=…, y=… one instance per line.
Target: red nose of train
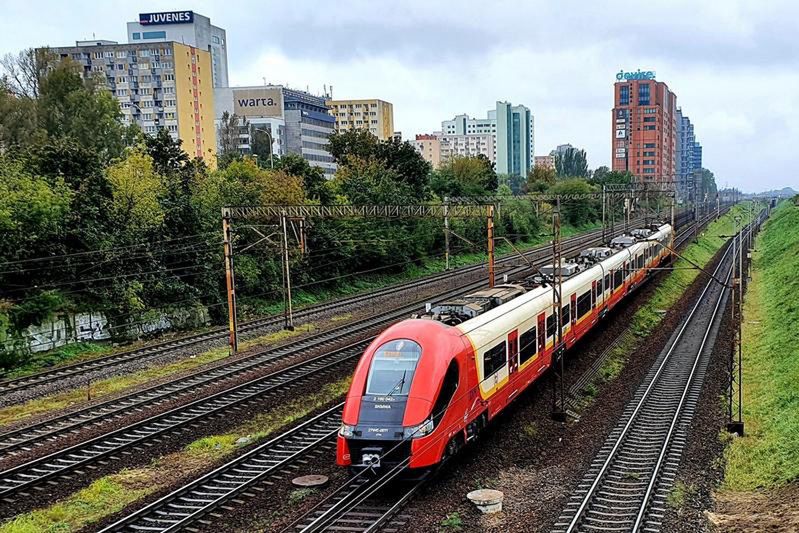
x=388, y=414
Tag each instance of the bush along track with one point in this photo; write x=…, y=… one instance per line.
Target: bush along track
x=761, y=479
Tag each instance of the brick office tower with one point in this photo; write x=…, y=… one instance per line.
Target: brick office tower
x=644, y=129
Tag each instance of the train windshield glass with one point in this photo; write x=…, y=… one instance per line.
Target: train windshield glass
x=392, y=368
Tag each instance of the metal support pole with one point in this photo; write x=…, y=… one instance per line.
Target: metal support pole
x=230, y=281
x=558, y=401
x=490, y=223
x=446, y=233
x=287, y=310
x=303, y=243
x=604, y=203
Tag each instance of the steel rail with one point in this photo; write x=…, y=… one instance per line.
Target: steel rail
x=208, y=492
x=621, y=443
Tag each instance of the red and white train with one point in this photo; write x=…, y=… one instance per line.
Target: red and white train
x=426, y=386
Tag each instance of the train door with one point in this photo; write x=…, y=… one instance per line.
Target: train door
x=513, y=351
x=573, y=310
x=542, y=333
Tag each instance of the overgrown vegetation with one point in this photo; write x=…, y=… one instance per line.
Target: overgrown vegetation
x=112, y=493
x=452, y=522
x=768, y=455
x=679, y=494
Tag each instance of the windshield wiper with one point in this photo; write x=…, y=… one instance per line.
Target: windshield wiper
x=399, y=384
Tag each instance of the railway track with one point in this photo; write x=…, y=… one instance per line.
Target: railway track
x=19, y=480
x=87, y=368
x=365, y=503
x=238, y=478
x=246, y=473
x=628, y=482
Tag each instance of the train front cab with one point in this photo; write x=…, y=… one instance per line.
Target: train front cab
x=404, y=401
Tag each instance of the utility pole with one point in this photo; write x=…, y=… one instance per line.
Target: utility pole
x=446, y=233
x=490, y=227
x=736, y=425
x=230, y=281
x=604, y=207
x=558, y=403
x=288, y=316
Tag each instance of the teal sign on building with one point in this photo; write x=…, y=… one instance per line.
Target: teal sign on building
x=637, y=75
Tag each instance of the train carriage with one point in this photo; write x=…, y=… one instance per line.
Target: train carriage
x=428, y=385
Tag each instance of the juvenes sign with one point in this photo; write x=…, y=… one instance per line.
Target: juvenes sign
x=261, y=102
x=167, y=17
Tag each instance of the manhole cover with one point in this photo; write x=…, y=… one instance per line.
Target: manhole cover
x=311, y=480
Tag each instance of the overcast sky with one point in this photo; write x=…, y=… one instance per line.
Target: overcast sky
x=734, y=65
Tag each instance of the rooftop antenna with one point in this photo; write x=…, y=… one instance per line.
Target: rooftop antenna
x=264, y=78
x=331, y=92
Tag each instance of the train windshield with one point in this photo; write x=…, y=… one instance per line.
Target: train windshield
x=392, y=368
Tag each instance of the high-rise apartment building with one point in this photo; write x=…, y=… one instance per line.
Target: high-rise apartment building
x=259, y=111
x=185, y=27
x=468, y=146
x=430, y=147
x=514, y=139
x=511, y=132
x=159, y=85
x=377, y=116
x=644, y=130
x=689, y=155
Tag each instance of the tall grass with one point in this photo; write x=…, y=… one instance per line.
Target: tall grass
x=768, y=456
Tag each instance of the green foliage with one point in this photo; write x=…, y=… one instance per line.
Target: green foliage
x=464, y=176
x=540, y=179
x=577, y=212
x=400, y=158
x=452, y=522
x=313, y=178
x=136, y=191
x=572, y=163
x=768, y=455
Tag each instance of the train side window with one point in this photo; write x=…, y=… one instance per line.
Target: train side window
x=566, y=316
x=528, y=345
x=607, y=281
x=627, y=271
x=641, y=261
x=551, y=325
x=618, y=279
x=448, y=388
x=598, y=288
x=494, y=359
x=583, y=304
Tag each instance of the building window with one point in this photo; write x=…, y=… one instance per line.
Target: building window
x=122, y=92
x=649, y=119
x=643, y=94
x=649, y=171
x=215, y=39
x=154, y=35
x=624, y=95
x=649, y=161
x=649, y=145
x=121, y=54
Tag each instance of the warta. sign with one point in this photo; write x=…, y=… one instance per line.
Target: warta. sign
x=168, y=17
x=637, y=75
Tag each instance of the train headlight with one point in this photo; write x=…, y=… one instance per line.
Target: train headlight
x=346, y=430
x=425, y=428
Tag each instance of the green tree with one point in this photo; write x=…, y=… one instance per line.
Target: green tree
x=540, y=178
x=313, y=178
x=577, y=212
x=464, y=176
x=401, y=158
x=136, y=191
x=83, y=111
x=572, y=163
